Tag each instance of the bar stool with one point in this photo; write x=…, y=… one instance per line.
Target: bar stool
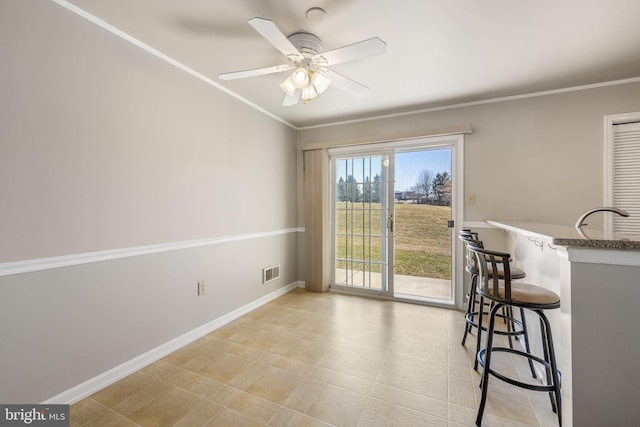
x=503, y=292
x=515, y=327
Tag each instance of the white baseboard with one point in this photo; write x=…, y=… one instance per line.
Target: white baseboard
x=109, y=377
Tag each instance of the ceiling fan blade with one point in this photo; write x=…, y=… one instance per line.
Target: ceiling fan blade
x=353, y=52
x=346, y=84
x=269, y=31
x=255, y=72
x=292, y=99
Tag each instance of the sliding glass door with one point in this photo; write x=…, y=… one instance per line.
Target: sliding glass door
x=393, y=220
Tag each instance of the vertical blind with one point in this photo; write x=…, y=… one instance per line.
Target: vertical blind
x=316, y=220
x=626, y=176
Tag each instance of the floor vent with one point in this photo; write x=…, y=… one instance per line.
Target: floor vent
x=270, y=273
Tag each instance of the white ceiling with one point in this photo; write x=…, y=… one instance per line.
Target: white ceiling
x=439, y=52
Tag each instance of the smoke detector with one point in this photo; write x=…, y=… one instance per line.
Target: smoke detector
x=316, y=15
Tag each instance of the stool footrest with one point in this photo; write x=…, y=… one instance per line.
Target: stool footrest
x=469, y=317
x=548, y=387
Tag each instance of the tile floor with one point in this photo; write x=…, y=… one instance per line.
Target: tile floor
x=310, y=359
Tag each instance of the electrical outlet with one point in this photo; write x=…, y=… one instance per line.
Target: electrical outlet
x=471, y=198
x=200, y=289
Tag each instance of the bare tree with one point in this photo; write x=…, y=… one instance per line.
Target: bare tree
x=423, y=185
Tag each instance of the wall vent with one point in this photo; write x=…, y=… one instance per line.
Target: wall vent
x=270, y=273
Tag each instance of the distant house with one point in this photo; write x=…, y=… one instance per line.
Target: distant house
x=406, y=196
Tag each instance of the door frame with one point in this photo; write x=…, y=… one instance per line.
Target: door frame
x=456, y=143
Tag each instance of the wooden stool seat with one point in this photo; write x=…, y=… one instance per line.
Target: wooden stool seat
x=525, y=294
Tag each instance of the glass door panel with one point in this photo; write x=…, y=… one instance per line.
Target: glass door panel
x=423, y=238
x=360, y=221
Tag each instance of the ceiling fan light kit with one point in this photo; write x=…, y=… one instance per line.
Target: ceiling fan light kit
x=303, y=50
x=300, y=77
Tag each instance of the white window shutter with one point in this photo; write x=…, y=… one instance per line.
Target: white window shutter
x=626, y=176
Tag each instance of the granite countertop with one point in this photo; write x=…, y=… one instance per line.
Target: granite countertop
x=564, y=235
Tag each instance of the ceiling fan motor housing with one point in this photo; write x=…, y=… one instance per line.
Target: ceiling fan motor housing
x=307, y=44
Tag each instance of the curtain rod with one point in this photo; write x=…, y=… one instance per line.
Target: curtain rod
x=444, y=131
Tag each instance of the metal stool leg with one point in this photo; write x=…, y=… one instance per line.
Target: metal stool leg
x=526, y=342
x=487, y=362
x=553, y=377
x=470, y=307
x=507, y=312
x=479, y=337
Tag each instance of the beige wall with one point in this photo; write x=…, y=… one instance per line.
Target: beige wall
x=105, y=147
x=537, y=159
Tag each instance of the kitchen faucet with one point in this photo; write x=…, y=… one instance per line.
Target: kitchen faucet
x=605, y=209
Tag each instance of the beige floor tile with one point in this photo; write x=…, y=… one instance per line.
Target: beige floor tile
x=284, y=345
x=200, y=415
x=319, y=360
x=461, y=390
x=166, y=409
x=289, y=418
x=402, y=417
x=304, y=395
x=275, y=385
x=431, y=380
x=123, y=389
x=225, y=368
x=286, y=417
x=191, y=352
x=194, y=383
x=376, y=413
x=159, y=369
x=293, y=365
x=248, y=376
x=141, y=398
x=215, y=342
x=338, y=406
x=246, y=352
x=259, y=339
x=351, y=382
x=349, y=363
x=85, y=410
x=462, y=415
x=110, y=419
x=307, y=351
x=509, y=402
x=223, y=394
x=230, y=329
x=542, y=408
x=419, y=402
x=254, y=407
x=390, y=373
x=229, y=418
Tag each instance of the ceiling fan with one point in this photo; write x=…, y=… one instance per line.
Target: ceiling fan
x=304, y=52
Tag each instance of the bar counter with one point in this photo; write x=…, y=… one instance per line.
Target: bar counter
x=597, y=276
x=563, y=235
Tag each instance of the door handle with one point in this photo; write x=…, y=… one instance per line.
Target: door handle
x=390, y=223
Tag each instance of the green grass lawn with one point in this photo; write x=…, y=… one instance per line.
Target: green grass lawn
x=422, y=242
